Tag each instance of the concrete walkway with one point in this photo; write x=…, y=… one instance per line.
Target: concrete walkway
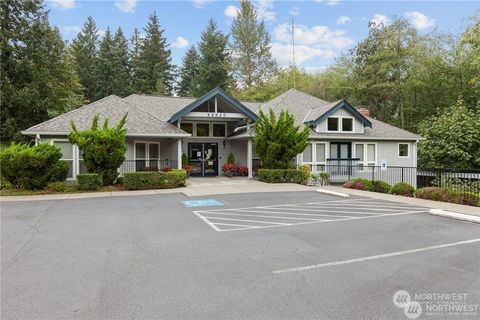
x=195, y=187
x=407, y=200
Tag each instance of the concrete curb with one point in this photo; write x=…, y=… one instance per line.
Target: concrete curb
x=334, y=193
x=454, y=215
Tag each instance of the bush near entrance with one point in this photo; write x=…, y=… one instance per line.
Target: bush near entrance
x=155, y=180
x=445, y=195
x=283, y=176
x=89, y=181
x=402, y=189
x=33, y=167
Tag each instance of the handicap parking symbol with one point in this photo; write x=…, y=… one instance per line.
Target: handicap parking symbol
x=202, y=203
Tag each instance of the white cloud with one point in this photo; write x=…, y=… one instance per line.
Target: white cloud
x=295, y=11
x=320, y=36
x=63, y=4
x=200, y=3
x=315, y=70
x=419, y=20
x=283, y=53
x=329, y=2
x=67, y=30
x=379, y=19
x=126, y=5
x=264, y=10
x=231, y=11
x=343, y=20
x=181, y=42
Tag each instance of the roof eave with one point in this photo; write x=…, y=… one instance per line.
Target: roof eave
x=341, y=104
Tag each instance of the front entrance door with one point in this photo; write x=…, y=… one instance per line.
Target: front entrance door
x=204, y=159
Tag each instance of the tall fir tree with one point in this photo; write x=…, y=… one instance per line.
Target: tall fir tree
x=84, y=50
x=38, y=79
x=252, y=60
x=154, y=70
x=134, y=58
x=103, y=72
x=121, y=65
x=213, y=66
x=187, y=72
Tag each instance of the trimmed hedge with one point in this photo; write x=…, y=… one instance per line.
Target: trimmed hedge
x=32, y=167
x=89, y=181
x=402, y=189
x=381, y=186
x=283, y=176
x=445, y=195
x=155, y=180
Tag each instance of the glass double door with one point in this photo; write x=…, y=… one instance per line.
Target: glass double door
x=203, y=157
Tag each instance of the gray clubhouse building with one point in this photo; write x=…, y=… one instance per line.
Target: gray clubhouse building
x=206, y=129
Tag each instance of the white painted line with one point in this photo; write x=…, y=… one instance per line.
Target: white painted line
x=336, y=211
x=380, y=256
x=333, y=193
x=294, y=213
x=374, y=205
x=234, y=225
x=455, y=215
x=261, y=216
x=206, y=221
x=244, y=220
x=336, y=220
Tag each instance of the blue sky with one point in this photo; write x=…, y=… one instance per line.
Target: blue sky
x=324, y=28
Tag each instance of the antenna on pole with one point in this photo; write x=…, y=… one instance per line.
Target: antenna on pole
x=293, y=52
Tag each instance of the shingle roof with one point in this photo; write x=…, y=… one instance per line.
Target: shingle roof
x=139, y=122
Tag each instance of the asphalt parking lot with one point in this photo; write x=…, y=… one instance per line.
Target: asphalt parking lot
x=296, y=255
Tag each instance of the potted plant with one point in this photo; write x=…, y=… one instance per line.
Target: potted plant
x=188, y=168
x=229, y=169
x=243, y=170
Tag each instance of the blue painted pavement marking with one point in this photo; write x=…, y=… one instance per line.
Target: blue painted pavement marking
x=202, y=203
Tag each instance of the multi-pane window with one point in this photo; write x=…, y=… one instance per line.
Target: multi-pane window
x=203, y=129
x=371, y=154
x=403, y=150
x=366, y=153
x=307, y=154
x=187, y=127
x=219, y=130
x=332, y=124
x=67, y=155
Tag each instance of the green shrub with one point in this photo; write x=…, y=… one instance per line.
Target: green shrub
x=446, y=195
x=89, y=181
x=283, y=175
x=402, y=189
x=103, y=149
x=57, y=186
x=119, y=180
x=155, y=180
x=320, y=178
x=230, y=158
x=32, y=167
x=367, y=183
x=381, y=186
x=184, y=160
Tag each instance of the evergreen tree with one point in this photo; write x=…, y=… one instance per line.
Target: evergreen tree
x=103, y=73
x=38, y=79
x=121, y=65
x=84, y=49
x=252, y=60
x=134, y=57
x=188, y=72
x=153, y=71
x=213, y=66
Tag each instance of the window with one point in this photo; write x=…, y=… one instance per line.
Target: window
x=371, y=154
x=307, y=154
x=347, y=124
x=366, y=153
x=203, y=130
x=332, y=124
x=153, y=154
x=67, y=155
x=81, y=165
x=320, y=156
x=140, y=156
x=219, y=130
x=147, y=155
x=403, y=150
x=187, y=127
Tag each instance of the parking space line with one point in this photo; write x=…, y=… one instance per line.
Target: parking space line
x=381, y=256
x=262, y=216
x=235, y=225
x=254, y=221
x=206, y=221
x=374, y=205
x=295, y=213
x=329, y=210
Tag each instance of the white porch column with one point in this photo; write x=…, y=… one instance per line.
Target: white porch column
x=179, y=153
x=249, y=159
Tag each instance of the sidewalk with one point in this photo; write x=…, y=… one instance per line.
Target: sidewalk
x=413, y=201
x=195, y=187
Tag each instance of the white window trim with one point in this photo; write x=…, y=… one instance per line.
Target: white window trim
x=316, y=162
x=191, y=122
x=340, y=124
x=75, y=164
x=365, y=161
x=408, y=150
x=147, y=152
x=312, y=148
x=225, y=124
x=209, y=129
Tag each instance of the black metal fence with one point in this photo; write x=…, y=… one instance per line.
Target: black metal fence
x=465, y=181
x=147, y=165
